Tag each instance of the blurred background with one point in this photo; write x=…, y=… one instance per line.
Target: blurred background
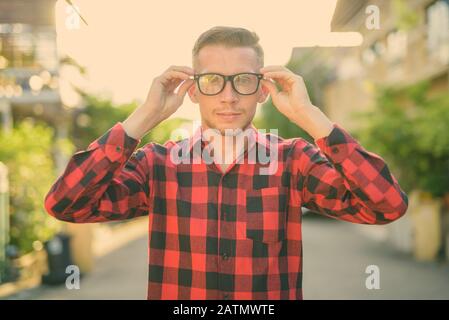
x=69, y=70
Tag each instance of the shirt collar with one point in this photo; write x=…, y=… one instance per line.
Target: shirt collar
x=198, y=144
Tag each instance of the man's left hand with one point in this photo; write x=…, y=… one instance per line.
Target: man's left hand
x=293, y=100
x=293, y=97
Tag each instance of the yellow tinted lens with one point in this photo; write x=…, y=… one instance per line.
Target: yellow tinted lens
x=210, y=83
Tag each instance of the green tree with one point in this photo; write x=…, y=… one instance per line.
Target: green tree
x=26, y=152
x=410, y=128
x=100, y=114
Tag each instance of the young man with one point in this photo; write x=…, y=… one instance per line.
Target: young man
x=226, y=230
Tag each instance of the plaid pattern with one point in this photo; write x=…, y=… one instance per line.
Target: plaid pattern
x=225, y=236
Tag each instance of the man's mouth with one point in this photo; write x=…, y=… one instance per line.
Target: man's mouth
x=228, y=115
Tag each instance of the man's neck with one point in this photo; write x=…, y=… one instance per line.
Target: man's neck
x=227, y=148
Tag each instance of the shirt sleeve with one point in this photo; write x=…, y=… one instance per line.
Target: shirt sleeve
x=341, y=180
x=108, y=181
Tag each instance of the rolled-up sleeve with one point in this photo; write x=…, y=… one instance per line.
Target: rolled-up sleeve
x=108, y=181
x=340, y=179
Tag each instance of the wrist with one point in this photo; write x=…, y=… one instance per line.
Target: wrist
x=140, y=122
x=312, y=120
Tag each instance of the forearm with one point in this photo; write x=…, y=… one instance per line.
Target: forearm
x=95, y=186
x=140, y=122
x=314, y=122
x=349, y=183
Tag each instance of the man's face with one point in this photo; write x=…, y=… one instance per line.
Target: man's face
x=228, y=109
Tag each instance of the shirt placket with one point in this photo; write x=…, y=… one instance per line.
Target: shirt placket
x=225, y=249
x=225, y=256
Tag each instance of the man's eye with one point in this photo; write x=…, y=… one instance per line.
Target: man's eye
x=244, y=79
x=212, y=79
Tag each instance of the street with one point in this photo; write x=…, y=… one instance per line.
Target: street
x=336, y=256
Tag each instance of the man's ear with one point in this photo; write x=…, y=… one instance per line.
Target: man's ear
x=263, y=93
x=192, y=93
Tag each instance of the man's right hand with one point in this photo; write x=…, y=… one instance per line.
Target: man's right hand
x=161, y=101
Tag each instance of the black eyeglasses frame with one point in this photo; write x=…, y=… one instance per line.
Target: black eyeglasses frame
x=196, y=77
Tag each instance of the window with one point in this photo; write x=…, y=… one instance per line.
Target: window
x=23, y=46
x=396, y=46
x=438, y=30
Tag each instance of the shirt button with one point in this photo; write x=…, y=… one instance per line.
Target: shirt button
x=335, y=150
x=225, y=256
x=118, y=148
x=226, y=296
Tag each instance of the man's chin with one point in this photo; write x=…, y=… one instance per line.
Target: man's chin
x=230, y=127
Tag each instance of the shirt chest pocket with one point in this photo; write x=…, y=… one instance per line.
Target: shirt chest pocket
x=266, y=211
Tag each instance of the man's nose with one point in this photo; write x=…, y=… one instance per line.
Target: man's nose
x=228, y=93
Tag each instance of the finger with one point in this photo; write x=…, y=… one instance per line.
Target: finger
x=184, y=87
x=173, y=75
x=288, y=76
x=270, y=86
x=184, y=69
x=176, y=74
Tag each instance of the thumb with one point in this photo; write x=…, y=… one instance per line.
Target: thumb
x=271, y=87
x=184, y=87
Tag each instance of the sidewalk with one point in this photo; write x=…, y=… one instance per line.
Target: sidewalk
x=335, y=258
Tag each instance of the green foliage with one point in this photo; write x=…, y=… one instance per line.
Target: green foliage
x=26, y=152
x=407, y=18
x=163, y=131
x=410, y=128
x=96, y=118
x=100, y=114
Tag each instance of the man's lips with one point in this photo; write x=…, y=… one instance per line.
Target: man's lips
x=228, y=115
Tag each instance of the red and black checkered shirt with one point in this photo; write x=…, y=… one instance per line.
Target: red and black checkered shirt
x=233, y=235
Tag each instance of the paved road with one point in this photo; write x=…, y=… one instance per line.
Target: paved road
x=335, y=258
x=122, y=274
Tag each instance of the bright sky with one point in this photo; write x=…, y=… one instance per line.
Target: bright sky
x=128, y=43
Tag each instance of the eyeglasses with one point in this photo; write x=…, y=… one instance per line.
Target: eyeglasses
x=245, y=83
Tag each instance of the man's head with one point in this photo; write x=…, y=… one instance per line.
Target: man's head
x=227, y=51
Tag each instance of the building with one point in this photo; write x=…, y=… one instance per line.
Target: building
x=30, y=67
x=32, y=79
x=410, y=45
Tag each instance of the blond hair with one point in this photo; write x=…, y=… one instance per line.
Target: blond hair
x=230, y=37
